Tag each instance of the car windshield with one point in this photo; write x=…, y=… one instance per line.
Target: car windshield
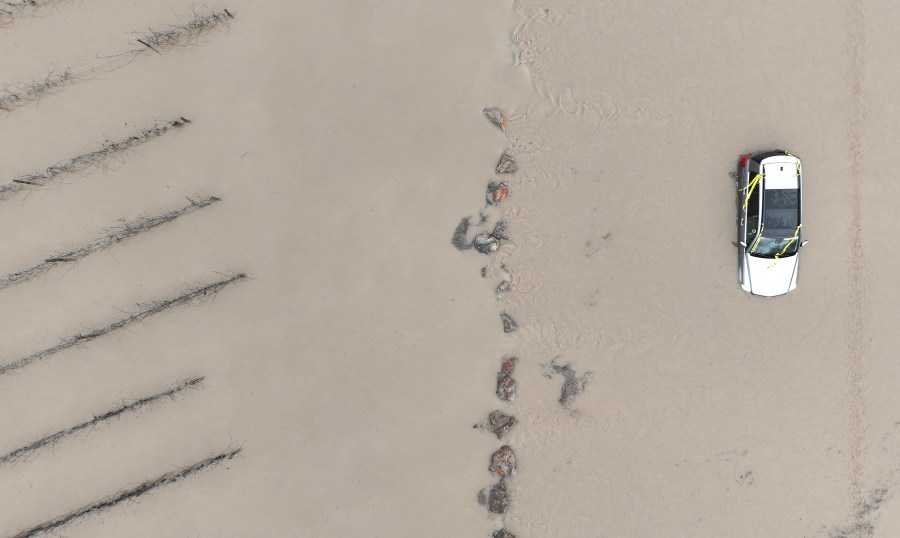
x=768, y=247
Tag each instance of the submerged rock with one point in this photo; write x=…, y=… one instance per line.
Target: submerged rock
x=572, y=383
x=502, y=288
x=496, y=116
x=503, y=462
x=509, y=324
x=503, y=533
x=500, y=423
x=486, y=243
x=497, y=192
x=507, y=164
x=459, y=235
x=498, y=498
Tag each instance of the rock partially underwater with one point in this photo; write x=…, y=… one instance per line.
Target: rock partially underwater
x=506, y=388
x=496, y=116
x=486, y=243
x=503, y=462
x=500, y=423
x=496, y=192
x=509, y=324
x=498, y=498
x=507, y=164
x=506, y=385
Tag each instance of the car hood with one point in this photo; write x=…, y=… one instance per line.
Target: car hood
x=769, y=280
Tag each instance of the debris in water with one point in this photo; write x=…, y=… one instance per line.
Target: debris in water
x=486, y=243
x=498, y=498
x=502, y=288
x=572, y=384
x=496, y=192
x=500, y=423
x=496, y=116
x=501, y=232
x=459, y=235
x=503, y=462
x=507, y=164
x=509, y=324
x=503, y=533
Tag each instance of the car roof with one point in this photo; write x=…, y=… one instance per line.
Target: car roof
x=781, y=172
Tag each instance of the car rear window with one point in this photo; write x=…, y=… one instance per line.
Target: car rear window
x=781, y=212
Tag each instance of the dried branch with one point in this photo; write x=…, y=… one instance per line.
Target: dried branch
x=16, y=95
x=114, y=236
x=111, y=501
x=84, y=161
x=147, y=311
x=136, y=405
x=12, y=10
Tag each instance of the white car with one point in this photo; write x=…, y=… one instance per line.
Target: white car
x=770, y=219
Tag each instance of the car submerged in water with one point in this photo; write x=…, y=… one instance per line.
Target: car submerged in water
x=770, y=218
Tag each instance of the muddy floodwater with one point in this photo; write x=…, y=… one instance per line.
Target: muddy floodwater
x=411, y=196
x=709, y=412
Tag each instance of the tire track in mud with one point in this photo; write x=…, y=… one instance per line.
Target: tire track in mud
x=856, y=322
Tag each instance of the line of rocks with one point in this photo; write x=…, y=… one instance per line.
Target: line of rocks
x=503, y=461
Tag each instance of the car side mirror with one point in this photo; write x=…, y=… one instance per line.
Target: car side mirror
x=803, y=244
x=735, y=243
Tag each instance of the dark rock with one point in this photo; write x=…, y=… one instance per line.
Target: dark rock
x=500, y=423
x=459, y=235
x=509, y=324
x=482, y=497
x=498, y=498
x=503, y=533
x=484, y=272
x=496, y=192
x=507, y=164
x=506, y=388
x=501, y=232
x=503, y=462
x=496, y=116
x=486, y=243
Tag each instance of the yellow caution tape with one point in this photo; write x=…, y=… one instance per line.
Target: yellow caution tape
x=750, y=186
x=789, y=154
x=796, y=233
